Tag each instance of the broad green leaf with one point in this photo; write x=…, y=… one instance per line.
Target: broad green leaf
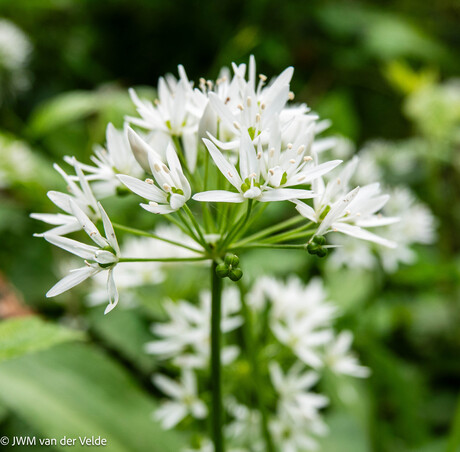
x=74, y=390
x=29, y=334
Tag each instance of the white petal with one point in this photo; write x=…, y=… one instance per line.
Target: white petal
x=112, y=291
x=168, y=386
x=141, y=188
x=308, y=175
x=226, y=168
x=104, y=257
x=355, y=231
x=221, y=110
x=218, y=196
x=176, y=201
x=72, y=246
x=160, y=209
x=305, y=210
x=286, y=194
x=87, y=225
x=74, y=278
x=109, y=232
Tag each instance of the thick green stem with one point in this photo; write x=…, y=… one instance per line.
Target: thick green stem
x=256, y=378
x=216, y=381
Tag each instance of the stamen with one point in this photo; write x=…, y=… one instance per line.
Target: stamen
x=156, y=102
x=263, y=77
x=166, y=169
x=240, y=107
x=236, y=125
x=307, y=158
x=257, y=117
x=156, y=167
x=289, y=145
x=291, y=95
x=259, y=155
x=249, y=101
x=166, y=187
x=301, y=149
x=210, y=84
x=262, y=106
x=271, y=152
x=153, y=204
x=301, y=178
x=149, y=181
x=227, y=100
x=271, y=171
x=339, y=181
x=253, y=175
x=292, y=161
x=230, y=174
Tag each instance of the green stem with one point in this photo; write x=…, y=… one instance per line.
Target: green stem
x=297, y=233
x=237, y=226
x=191, y=232
x=196, y=225
x=256, y=377
x=153, y=236
x=163, y=259
x=272, y=229
x=286, y=246
x=216, y=381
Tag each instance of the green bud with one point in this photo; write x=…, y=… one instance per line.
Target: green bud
x=322, y=252
x=235, y=274
x=319, y=239
x=313, y=248
x=222, y=270
x=231, y=260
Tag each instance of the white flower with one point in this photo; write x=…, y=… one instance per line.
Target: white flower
x=174, y=113
x=293, y=390
x=174, y=189
x=249, y=107
x=340, y=360
x=247, y=181
x=348, y=212
x=116, y=158
x=81, y=195
x=184, y=401
x=104, y=256
x=416, y=225
x=186, y=337
x=138, y=274
x=300, y=317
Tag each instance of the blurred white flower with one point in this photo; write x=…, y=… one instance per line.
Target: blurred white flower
x=185, y=400
x=186, y=337
x=340, y=359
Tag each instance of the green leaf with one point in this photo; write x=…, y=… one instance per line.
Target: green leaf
x=30, y=334
x=74, y=390
x=63, y=109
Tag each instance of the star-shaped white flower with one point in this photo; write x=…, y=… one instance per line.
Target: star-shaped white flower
x=173, y=189
x=102, y=257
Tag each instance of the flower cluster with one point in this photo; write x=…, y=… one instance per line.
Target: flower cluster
x=301, y=346
x=234, y=141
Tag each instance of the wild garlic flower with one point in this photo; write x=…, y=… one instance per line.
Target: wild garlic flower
x=173, y=189
x=116, y=158
x=81, y=194
x=186, y=337
x=350, y=212
x=103, y=257
x=255, y=180
x=292, y=388
x=184, y=399
x=341, y=360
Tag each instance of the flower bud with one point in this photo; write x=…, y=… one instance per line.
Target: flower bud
x=222, y=270
x=235, y=274
x=231, y=260
x=319, y=239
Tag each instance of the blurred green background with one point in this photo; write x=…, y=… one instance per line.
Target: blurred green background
x=378, y=70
